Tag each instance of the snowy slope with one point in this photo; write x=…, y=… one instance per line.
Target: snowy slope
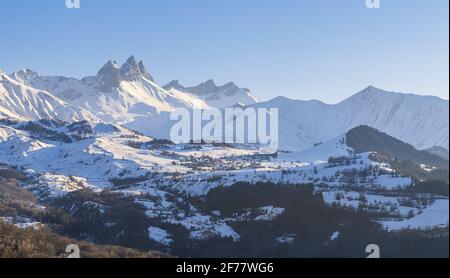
x=19, y=101
x=421, y=121
x=224, y=96
x=101, y=156
x=320, y=153
x=116, y=94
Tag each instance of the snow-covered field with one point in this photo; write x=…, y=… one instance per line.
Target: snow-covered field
x=159, y=235
x=433, y=216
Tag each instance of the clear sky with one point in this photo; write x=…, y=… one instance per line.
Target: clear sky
x=302, y=49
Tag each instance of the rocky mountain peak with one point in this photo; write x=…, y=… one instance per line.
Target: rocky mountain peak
x=144, y=71
x=109, y=76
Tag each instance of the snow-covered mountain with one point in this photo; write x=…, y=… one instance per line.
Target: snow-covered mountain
x=116, y=94
x=21, y=102
x=228, y=95
x=128, y=95
x=421, y=121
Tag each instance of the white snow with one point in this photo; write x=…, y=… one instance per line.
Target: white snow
x=269, y=213
x=202, y=227
x=320, y=153
x=159, y=235
x=286, y=239
x=371, y=202
x=335, y=235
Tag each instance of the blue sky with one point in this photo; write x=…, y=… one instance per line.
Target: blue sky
x=302, y=49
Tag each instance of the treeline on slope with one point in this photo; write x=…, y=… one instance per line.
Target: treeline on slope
x=18, y=202
x=432, y=187
x=14, y=200
x=367, y=139
x=412, y=169
x=310, y=221
x=30, y=243
x=103, y=217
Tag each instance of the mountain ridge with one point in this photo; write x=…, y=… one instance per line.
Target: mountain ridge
x=417, y=120
x=224, y=96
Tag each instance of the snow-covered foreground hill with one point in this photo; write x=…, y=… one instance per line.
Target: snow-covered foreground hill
x=60, y=158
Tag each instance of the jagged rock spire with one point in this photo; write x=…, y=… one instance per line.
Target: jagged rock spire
x=130, y=70
x=109, y=76
x=144, y=71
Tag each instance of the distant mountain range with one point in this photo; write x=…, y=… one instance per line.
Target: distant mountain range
x=224, y=96
x=128, y=95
